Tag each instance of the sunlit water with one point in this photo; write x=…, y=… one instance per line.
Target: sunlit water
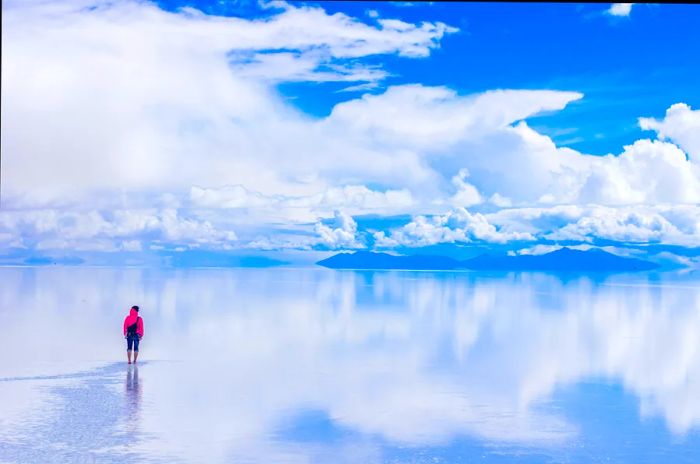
x=321, y=366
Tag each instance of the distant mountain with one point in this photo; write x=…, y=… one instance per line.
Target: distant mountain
x=564, y=259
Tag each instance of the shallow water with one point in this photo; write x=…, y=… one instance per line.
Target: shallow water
x=315, y=365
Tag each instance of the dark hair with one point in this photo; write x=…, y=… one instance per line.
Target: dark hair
x=135, y=307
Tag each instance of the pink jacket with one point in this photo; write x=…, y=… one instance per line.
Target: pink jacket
x=130, y=319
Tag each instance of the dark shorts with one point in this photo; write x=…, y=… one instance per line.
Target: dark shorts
x=132, y=341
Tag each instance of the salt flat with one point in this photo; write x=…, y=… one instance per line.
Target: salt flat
x=315, y=365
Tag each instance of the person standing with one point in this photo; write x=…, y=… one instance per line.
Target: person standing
x=133, y=332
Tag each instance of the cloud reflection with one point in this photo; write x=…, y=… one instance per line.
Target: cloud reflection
x=415, y=359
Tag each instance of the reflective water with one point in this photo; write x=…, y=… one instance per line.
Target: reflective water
x=314, y=365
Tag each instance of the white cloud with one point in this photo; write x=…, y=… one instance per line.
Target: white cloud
x=499, y=200
x=143, y=109
x=433, y=118
x=505, y=161
x=467, y=194
x=458, y=225
x=681, y=125
x=678, y=224
x=646, y=172
x=623, y=225
x=666, y=224
x=359, y=197
x=144, y=99
x=341, y=234
x=234, y=196
x=620, y=9
x=360, y=87
x=132, y=245
x=354, y=199
x=112, y=230
x=540, y=172
x=291, y=67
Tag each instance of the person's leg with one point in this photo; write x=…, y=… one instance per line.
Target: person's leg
x=129, y=342
x=136, y=348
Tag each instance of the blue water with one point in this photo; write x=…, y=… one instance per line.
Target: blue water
x=322, y=366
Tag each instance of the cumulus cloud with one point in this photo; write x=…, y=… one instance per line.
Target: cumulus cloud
x=233, y=196
x=141, y=98
x=645, y=172
x=112, y=230
x=354, y=199
x=458, y=225
x=638, y=225
x=680, y=125
x=620, y=9
x=338, y=233
x=507, y=160
x=341, y=234
x=414, y=116
x=467, y=194
x=669, y=224
x=540, y=172
x=135, y=108
x=663, y=224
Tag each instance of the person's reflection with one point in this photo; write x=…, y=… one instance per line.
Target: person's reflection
x=133, y=397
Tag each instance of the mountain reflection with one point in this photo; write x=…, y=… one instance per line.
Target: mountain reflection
x=418, y=359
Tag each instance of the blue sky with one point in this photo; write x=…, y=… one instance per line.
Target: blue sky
x=626, y=66
x=138, y=127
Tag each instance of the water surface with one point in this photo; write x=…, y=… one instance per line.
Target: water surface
x=315, y=365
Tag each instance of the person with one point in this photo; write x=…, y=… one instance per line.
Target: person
x=133, y=332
